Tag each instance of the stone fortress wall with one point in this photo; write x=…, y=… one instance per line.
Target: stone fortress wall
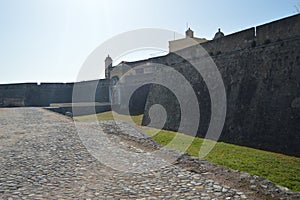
x=261, y=74
x=44, y=94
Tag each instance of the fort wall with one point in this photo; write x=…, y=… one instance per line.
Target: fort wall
x=271, y=32
x=232, y=42
x=278, y=30
x=262, y=88
x=44, y=94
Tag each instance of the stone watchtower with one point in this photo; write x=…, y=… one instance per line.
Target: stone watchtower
x=108, y=66
x=219, y=34
x=189, y=33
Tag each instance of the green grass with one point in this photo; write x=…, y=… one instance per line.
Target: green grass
x=110, y=116
x=280, y=169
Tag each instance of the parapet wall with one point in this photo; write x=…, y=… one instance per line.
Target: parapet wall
x=232, y=42
x=278, y=30
x=271, y=32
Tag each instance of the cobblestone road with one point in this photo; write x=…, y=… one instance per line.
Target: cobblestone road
x=42, y=157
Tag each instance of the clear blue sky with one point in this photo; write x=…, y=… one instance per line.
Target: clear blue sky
x=48, y=40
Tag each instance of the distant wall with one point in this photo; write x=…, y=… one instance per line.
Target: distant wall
x=89, y=91
x=47, y=93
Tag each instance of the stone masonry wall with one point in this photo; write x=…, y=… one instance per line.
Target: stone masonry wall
x=236, y=41
x=263, y=95
x=47, y=93
x=278, y=30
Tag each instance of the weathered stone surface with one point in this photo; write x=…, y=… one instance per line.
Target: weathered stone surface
x=33, y=94
x=262, y=89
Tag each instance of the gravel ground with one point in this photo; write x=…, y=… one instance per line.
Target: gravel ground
x=42, y=156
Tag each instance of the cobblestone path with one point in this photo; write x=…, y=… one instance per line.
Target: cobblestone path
x=42, y=157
